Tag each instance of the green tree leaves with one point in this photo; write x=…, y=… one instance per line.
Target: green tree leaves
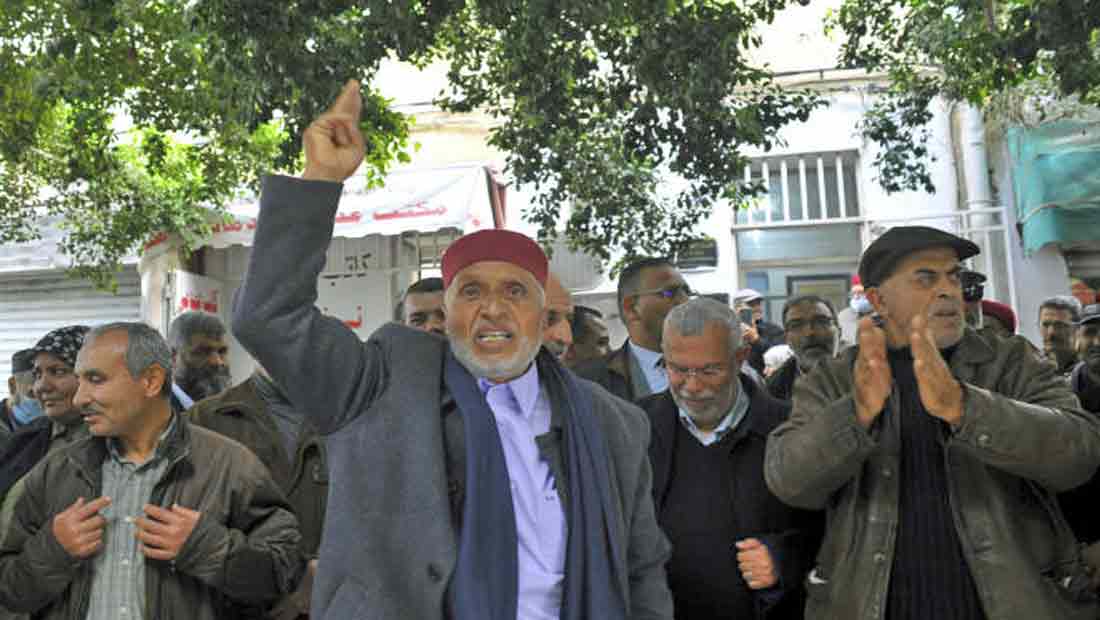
x=599, y=102
x=976, y=51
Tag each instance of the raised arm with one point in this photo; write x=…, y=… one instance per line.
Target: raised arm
x=322, y=364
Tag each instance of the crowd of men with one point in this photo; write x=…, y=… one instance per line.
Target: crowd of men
x=488, y=456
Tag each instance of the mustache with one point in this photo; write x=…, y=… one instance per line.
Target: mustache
x=700, y=395
x=945, y=305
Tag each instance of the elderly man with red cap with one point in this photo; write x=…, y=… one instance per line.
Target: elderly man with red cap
x=471, y=478
x=936, y=454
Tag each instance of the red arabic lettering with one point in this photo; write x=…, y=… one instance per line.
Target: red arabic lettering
x=393, y=215
x=357, y=323
x=349, y=218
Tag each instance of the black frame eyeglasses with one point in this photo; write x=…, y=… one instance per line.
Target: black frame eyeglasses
x=669, y=292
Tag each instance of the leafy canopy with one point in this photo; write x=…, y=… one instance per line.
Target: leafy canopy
x=597, y=100
x=984, y=52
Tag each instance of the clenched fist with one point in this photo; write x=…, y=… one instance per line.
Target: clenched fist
x=756, y=564
x=333, y=144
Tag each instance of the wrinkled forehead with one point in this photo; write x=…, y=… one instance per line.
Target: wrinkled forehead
x=938, y=259
x=101, y=350
x=494, y=272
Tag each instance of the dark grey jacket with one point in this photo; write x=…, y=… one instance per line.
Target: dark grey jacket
x=616, y=372
x=390, y=543
x=244, y=547
x=1023, y=438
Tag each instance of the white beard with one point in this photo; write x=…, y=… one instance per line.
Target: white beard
x=508, y=368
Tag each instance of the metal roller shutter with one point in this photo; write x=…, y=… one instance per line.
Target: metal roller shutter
x=31, y=305
x=1084, y=262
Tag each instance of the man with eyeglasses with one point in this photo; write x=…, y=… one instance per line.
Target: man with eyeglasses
x=738, y=552
x=812, y=333
x=648, y=289
x=1057, y=316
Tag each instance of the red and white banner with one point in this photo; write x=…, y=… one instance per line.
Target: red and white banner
x=195, y=293
x=411, y=200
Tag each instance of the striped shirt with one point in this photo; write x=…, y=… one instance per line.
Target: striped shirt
x=118, y=572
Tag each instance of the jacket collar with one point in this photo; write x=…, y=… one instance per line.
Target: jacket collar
x=619, y=361
x=241, y=397
x=92, y=451
x=971, y=352
x=622, y=363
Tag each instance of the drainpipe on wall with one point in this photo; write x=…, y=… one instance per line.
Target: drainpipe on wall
x=979, y=195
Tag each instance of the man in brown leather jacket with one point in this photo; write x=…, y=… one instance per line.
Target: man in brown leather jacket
x=936, y=454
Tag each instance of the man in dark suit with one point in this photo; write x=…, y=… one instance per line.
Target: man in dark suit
x=473, y=477
x=738, y=552
x=648, y=289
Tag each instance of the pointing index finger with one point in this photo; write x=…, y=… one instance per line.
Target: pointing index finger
x=349, y=101
x=92, y=508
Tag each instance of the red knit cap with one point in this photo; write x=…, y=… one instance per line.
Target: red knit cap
x=494, y=244
x=1001, y=311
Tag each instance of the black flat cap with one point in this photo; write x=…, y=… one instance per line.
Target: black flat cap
x=22, y=361
x=1090, y=314
x=883, y=255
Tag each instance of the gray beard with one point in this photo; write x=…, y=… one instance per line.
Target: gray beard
x=513, y=367
x=714, y=413
x=200, y=383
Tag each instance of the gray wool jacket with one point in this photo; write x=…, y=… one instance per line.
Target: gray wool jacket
x=395, y=457
x=1023, y=438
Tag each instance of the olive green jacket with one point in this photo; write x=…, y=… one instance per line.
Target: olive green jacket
x=1023, y=438
x=243, y=548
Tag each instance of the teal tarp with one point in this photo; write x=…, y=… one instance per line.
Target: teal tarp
x=1056, y=176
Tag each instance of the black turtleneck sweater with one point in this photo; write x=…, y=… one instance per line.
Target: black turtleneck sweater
x=930, y=578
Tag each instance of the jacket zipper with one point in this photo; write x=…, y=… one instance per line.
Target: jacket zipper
x=152, y=589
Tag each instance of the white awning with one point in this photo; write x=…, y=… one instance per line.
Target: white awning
x=422, y=200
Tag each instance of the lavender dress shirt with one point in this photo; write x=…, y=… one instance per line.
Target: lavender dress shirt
x=522, y=413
